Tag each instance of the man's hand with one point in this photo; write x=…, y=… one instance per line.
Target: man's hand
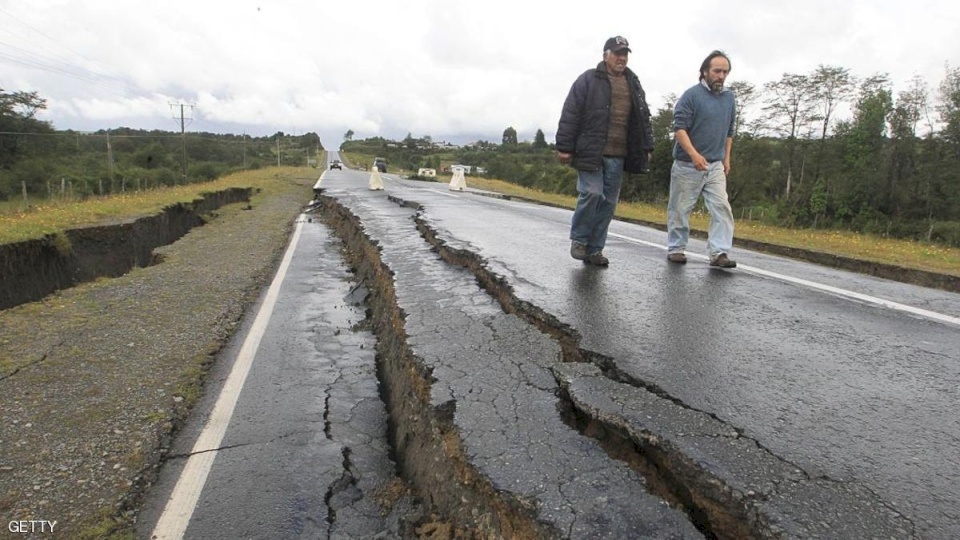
x=699, y=162
x=564, y=157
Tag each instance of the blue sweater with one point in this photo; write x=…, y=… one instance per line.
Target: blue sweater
x=707, y=118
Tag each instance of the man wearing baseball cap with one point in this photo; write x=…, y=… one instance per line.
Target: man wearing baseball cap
x=604, y=130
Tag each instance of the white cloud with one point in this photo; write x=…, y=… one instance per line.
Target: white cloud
x=451, y=70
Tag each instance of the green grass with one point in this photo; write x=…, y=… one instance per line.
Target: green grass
x=44, y=218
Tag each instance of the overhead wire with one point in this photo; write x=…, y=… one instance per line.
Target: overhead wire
x=57, y=64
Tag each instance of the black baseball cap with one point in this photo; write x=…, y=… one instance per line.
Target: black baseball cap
x=617, y=43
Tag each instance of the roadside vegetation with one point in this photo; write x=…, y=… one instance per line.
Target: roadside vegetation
x=40, y=165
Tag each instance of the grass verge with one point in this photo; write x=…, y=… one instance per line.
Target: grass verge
x=51, y=217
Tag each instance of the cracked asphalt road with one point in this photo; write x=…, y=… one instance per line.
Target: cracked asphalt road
x=306, y=454
x=529, y=393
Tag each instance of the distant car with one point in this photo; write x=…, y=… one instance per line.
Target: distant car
x=381, y=164
x=335, y=164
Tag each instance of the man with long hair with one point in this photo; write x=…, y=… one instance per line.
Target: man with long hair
x=703, y=123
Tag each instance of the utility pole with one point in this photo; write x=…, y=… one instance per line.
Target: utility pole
x=109, y=162
x=183, y=141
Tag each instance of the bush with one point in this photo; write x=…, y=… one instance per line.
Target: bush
x=947, y=232
x=204, y=171
x=165, y=177
x=6, y=186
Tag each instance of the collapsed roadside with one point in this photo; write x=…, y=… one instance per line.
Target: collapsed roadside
x=96, y=378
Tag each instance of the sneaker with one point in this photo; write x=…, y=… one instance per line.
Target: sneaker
x=723, y=261
x=578, y=251
x=597, y=259
x=678, y=258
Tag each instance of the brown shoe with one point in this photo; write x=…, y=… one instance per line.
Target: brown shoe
x=678, y=258
x=723, y=261
x=578, y=251
x=597, y=259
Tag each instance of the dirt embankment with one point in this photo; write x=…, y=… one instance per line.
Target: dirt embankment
x=32, y=269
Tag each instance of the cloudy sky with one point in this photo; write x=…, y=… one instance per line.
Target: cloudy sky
x=456, y=71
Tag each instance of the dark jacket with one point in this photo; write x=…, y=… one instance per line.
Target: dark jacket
x=586, y=116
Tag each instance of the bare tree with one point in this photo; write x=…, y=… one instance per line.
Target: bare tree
x=746, y=96
x=949, y=107
x=915, y=103
x=831, y=86
x=789, y=108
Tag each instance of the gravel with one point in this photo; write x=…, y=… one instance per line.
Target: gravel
x=95, y=379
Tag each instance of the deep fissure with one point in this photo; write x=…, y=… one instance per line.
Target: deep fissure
x=363, y=255
x=713, y=518
x=423, y=440
x=422, y=435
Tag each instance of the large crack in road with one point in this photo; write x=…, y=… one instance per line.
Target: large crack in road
x=454, y=442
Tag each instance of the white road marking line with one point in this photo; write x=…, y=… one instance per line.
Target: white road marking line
x=179, y=508
x=448, y=194
x=817, y=286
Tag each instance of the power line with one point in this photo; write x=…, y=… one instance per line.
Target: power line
x=230, y=138
x=32, y=60
x=53, y=64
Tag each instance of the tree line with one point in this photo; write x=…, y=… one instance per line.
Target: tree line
x=38, y=161
x=889, y=167
x=824, y=149
x=821, y=149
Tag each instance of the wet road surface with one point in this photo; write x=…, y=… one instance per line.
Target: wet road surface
x=579, y=399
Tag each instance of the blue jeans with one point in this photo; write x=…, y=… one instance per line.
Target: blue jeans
x=686, y=186
x=599, y=192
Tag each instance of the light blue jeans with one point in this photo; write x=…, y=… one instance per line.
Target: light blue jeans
x=599, y=192
x=686, y=186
